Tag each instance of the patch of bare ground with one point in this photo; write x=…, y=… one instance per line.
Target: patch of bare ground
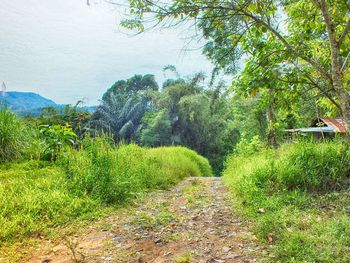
x=192, y=222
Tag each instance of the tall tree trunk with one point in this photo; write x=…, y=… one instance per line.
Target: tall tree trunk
x=337, y=75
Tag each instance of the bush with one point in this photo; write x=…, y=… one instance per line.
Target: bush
x=247, y=147
x=312, y=167
x=56, y=138
x=300, y=188
x=13, y=136
x=115, y=174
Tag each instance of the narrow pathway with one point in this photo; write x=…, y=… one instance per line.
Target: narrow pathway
x=193, y=222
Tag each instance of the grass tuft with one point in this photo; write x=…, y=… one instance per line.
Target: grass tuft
x=13, y=135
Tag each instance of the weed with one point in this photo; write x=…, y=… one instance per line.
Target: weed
x=72, y=245
x=56, y=137
x=165, y=218
x=144, y=220
x=186, y=258
x=191, y=200
x=150, y=221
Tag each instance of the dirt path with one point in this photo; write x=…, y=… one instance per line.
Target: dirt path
x=191, y=223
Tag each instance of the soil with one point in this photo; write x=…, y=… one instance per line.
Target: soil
x=193, y=222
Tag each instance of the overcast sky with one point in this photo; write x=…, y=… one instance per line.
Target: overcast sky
x=66, y=50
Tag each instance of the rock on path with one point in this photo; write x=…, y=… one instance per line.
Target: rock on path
x=192, y=222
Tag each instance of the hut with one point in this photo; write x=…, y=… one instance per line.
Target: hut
x=322, y=128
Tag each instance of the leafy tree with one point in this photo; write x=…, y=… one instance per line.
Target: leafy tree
x=206, y=126
x=124, y=89
x=249, y=116
x=186, y=113
x=313, y=36
x=157, y=131
x=123, y=107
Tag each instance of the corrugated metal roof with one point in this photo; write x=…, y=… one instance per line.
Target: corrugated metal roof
x=337, y=124
x=332, y=125
x=313, y=129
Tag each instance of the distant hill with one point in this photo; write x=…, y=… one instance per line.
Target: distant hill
x=25, y=101
x=30, y=103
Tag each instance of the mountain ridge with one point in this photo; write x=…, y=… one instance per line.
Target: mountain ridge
x=19, y=101
x=31, y=103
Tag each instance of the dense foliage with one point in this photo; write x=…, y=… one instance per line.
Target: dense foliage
x=74, y=115
x=123, y=106
x=184, y=112
x=289, y=49
x=114, y=175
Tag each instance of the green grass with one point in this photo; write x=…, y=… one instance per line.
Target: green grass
x=14, y=136
x=37, y=197
x=117, y=174
x=34, y=197
x=186, y=258
x=303, y=189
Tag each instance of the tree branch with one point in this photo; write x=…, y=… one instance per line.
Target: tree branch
x=345, y=33
x=289, y=46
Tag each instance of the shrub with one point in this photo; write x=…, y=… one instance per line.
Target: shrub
x=55, y=138
x=13, y=136
x=248, y=147
x=312, y=167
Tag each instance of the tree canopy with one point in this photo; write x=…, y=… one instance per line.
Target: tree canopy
x=307, y=41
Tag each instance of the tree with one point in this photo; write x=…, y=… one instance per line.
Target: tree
x=130, y=87
x=313, y=35
x=123, y=107
x=157, y=130
x=188, y=113
x=249, y=116
x=77, y=117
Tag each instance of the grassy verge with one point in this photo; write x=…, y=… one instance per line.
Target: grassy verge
x=37, y=198
x=297, y=200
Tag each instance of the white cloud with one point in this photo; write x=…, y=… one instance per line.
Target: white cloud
x=66, y=50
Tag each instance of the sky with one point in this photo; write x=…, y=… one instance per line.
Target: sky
x=66, y=50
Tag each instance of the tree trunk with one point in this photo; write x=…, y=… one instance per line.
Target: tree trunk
x=271, y=121
x=336, y=69
x=337, y=78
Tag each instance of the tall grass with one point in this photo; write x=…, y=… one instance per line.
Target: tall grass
x=13, y=135
x=36, y=196
x=302, y=189
x=115, y=174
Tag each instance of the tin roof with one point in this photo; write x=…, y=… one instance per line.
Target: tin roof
x=313, y=129
x=337, y=124
x=324, y=125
